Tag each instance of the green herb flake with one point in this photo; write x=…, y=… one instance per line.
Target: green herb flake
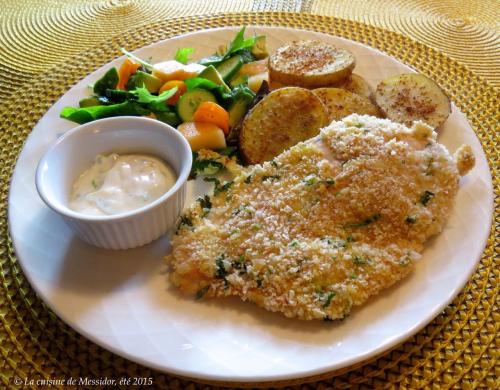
x=256, y=227
x=205, y=204
x=426, y=197
x=201, y=292
x=294, y=244
x=353, y=276
x=328, y=300
x=94, y=184
x=220, y=270
x=248, y=179
x=358, y=260
x=274, y=163
x=365, y=222
x=411, y=219
x=310, y=180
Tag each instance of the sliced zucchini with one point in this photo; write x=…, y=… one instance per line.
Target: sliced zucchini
x=238, y=79
x=410, y=97
x=259, y=49
x=189, y=102
x=229, y=67
x=89, y=102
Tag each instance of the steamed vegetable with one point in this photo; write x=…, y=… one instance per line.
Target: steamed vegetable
x=203, y=135
x=189, y=102
x=181, y=89
x=108, y=81
x=127, y=69
x=210, y=112
x=142, y=103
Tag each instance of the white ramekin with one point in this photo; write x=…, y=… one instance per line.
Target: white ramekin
x=76, y=150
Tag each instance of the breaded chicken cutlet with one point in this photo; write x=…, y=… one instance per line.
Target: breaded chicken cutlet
x=324, y=225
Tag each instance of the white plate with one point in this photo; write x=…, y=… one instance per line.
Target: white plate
x=122, y=300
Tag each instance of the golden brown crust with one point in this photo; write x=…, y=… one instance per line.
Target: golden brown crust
x=280, y=120
x=310, y=64
x=325, y=225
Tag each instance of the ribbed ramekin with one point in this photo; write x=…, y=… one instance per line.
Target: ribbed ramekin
x=76, y=150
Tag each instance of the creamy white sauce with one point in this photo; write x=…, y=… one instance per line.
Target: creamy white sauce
x=115, y=184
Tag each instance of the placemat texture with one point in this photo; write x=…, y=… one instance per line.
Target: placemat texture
x=36, y=34
x=459, y=349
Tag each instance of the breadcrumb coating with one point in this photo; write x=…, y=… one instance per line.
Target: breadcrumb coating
x=323, y=226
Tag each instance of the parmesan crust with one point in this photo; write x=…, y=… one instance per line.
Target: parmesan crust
x=323, y=226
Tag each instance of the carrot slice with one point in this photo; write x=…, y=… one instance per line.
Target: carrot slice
x=211, y=112
x=127, y=69
x=181, y=89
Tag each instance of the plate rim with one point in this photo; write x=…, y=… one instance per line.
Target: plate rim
x=324, y=370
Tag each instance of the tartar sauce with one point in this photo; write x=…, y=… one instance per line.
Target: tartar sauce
x=115, y=184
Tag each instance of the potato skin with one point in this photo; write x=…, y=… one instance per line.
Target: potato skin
x=310, y=64
x=358, y=85
x=340, y=103
x=282, y=119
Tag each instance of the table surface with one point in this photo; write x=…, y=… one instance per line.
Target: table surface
x=37, y=35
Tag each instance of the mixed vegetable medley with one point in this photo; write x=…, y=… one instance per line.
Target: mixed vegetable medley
x=223, y=102
x=205, y=100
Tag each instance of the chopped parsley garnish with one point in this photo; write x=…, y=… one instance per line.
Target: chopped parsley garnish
x=337, y=242
x=204, y=166
x=358, y=260
x=294, y=244
x=201, y=292
x=223, y=187
x=274, y=163
x=328, y=182
x=426, y=197
x=94, y=184
x=411, y=219
x=248, y=179
x=270, y=177
x=366, y=222
x=205, y=204
x=220, y=270
x=328, y=300
x=256, y=227
x=353, y=276
x=310, y=180
x=185, y=221
x=218, y=188
x=240, y=264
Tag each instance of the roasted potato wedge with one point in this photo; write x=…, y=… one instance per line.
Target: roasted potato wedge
x=282, y=119
x=411, y=97
x=358, y=85
x=341, y=103
x=310, y=64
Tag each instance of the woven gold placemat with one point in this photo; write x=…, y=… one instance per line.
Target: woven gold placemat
x=37, y=34
x=459, y=349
